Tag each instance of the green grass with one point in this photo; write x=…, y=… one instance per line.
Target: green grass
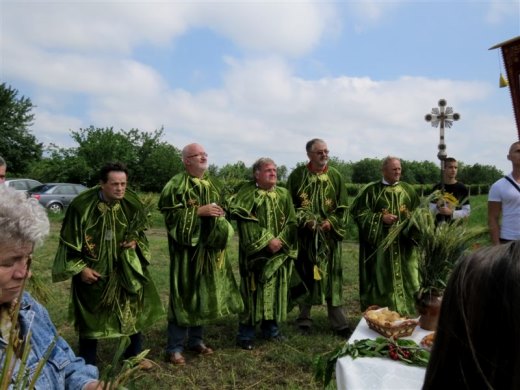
x=269, y=366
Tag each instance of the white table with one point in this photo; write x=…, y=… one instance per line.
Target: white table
x=365, y=373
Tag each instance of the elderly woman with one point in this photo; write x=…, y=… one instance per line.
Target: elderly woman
x=24, y=224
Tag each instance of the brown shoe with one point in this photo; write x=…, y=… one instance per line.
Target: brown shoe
x=201, y=349
x=176, y=359
x=145, y=365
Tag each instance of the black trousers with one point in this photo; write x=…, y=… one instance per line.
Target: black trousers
x=88, y=348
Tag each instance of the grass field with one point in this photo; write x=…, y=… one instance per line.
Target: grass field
x=270, y=365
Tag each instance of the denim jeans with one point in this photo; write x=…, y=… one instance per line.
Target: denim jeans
x=336, y=315
x=269, y=330
x=177, y=334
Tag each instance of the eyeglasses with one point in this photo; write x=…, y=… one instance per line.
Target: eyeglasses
x=321, y=152
x=198, y=155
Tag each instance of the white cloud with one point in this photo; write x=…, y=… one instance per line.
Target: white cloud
x=55, y=128
x=500, y=10
x=83, y=50
x=92, y=26
x=265, y=110
x=291, y=28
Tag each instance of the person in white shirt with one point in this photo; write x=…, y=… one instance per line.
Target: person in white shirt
x=504, y=201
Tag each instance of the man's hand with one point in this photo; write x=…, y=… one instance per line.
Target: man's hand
x=326, y=226
x=89, y=276
x=274, y=245
x=389, y=219
x=444, y=210
x=129, y=244
x=210, y=210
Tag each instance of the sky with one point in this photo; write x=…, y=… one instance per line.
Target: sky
x=249, y=79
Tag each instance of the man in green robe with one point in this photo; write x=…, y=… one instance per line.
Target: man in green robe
x=268, y=246
x=202, y=285
x=104, y=250
x=320, y=198
x=387, y=277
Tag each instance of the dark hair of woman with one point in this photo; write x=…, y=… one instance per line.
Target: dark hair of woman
x=477, y=345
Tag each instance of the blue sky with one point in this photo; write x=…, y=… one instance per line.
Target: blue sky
x=260, y=78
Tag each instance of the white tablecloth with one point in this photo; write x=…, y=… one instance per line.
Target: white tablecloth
x=366, y=373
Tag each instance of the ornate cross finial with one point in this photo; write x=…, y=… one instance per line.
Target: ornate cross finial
x=443, y=116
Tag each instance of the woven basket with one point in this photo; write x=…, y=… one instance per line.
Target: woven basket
x=403, y=329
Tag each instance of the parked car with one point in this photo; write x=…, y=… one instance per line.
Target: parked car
x=22, y=184
x=56, y=196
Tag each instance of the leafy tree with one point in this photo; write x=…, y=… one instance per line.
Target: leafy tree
x=479, y=174
x=237, y=170
x=344, y=168
x=282, y=172
x=17, y=146
x=366, y=170
x=98, y=146
x=61, y=165
x=213, y=170
x=420, y=172
x=151, y=162
x=164, y=160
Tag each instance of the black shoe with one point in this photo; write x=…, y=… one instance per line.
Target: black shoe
x=279, y=338
x=304, y=329
x=344, y=333
x=248, y=345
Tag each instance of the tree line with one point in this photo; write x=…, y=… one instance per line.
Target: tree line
x=146, y=153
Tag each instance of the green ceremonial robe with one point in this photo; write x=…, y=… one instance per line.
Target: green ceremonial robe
x=318, y=197
x=124, y=300
x=202, y=285
x=387, y=277
x=264, y=215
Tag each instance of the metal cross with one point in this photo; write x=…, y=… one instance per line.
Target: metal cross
x=443, y=116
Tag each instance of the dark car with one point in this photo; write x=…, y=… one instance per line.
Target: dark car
x=22, y=184
x=56, y=196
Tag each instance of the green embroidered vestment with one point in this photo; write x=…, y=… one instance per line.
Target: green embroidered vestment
x=318, y=197
x=202, y=285
x=124, y=300
x=262, y=216
x=386, y=277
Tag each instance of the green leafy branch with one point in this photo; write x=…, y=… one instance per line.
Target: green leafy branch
x=407, y=351
x=439, y=245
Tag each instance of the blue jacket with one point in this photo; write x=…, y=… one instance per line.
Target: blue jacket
x=63, y=369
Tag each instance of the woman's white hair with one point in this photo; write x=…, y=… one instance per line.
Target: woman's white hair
x=22, y=220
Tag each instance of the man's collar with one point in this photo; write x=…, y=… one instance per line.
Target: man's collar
x=311, y=169
x=383, y=180
x=264, y=189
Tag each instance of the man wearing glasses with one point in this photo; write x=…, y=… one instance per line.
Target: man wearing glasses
x=320, y=199
x=202, y=285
